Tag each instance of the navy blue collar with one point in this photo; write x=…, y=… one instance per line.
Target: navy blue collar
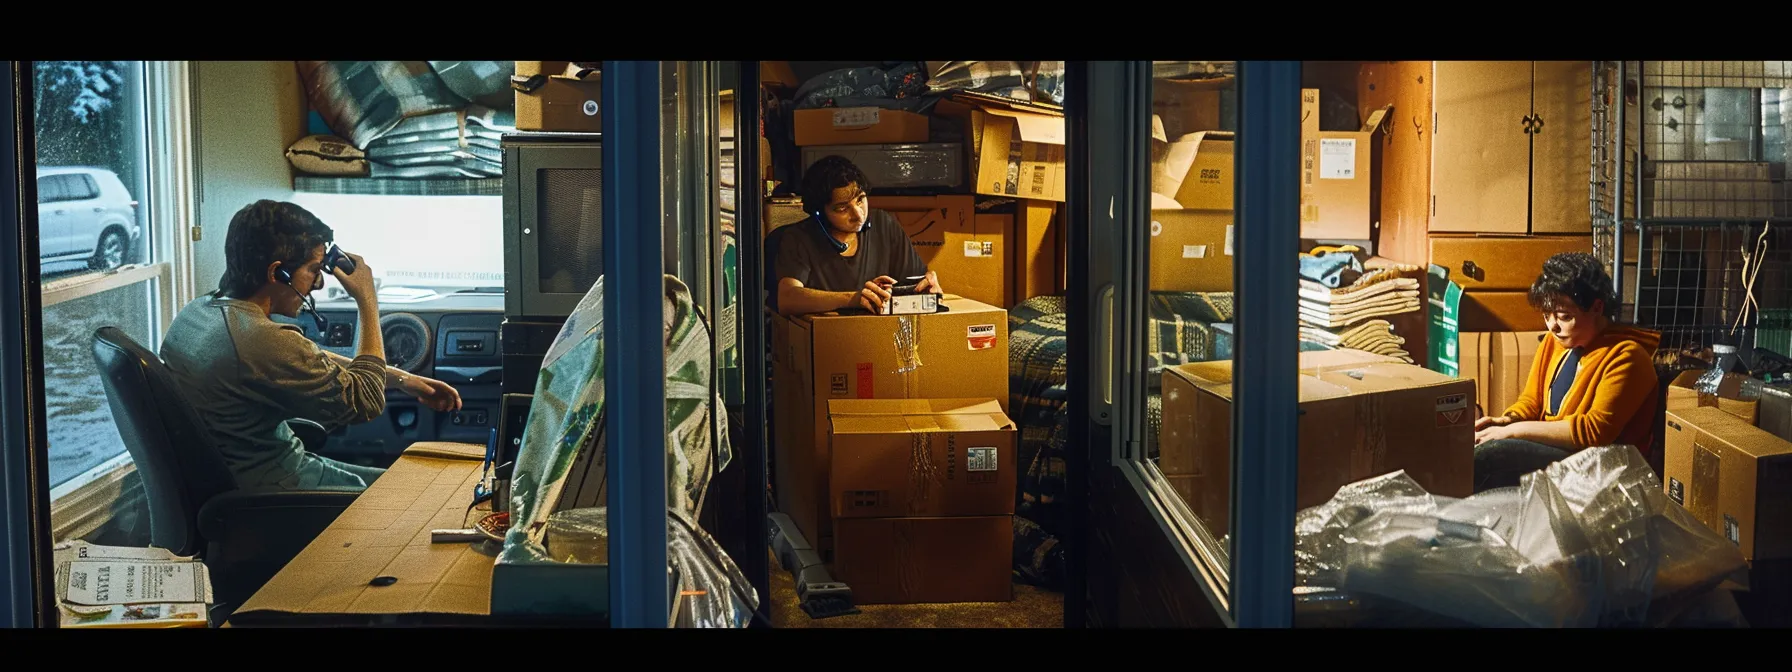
x=829, y=235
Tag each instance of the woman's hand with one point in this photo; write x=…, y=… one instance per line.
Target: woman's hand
x=1492, y=421
x=1494, y=433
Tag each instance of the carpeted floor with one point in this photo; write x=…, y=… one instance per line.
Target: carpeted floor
x=1032, y=608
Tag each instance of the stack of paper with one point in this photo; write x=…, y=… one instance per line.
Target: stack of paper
x=117, y=587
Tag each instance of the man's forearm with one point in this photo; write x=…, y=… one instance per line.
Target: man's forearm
x=803, y=300
x=369, y=341
x=394, y=376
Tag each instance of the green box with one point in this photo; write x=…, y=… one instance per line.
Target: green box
x=1443, y=309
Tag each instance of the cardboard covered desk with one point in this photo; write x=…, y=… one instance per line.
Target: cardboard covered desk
x=385, y=533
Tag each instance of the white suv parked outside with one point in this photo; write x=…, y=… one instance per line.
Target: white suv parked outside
x=85, y=212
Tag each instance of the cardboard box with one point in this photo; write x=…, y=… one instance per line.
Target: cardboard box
x=568, y=100
x=858, y=126
x=927, y=560
x=1500, y=365
x=968, y=250
x=778, y=75
x=1732, y=476
x=959, y=354
x=781, y=212
x=1684, y=395
x=1195, y=171
x=921, y=457
x=1191, y=251
x=1038, y=262
x=1189, y=106
x=1017, y=148
x=1500, y=263
x=1336, y=174
x=1362, y=415
x=1775, y=412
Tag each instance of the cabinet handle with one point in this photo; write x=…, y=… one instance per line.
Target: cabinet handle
x=1537, y=124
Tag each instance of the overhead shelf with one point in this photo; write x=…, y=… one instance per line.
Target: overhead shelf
x=373, y=186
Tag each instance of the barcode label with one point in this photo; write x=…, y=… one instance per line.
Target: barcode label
x=980, y=459
x=855, y=116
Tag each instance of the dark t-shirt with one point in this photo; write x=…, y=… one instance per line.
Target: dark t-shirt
x=807, y=253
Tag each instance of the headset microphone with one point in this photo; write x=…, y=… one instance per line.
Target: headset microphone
x=305, y=302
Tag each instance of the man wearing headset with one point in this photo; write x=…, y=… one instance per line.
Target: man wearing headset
x=846, y=255
x=247, y=375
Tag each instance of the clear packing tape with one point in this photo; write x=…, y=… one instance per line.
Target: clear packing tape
x=1591, y=541
x=712, y=591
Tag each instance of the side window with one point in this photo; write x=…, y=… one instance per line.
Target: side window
x=82, y=187
x=49, y=189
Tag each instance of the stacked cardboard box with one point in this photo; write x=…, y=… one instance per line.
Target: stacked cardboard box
x=922, y=496
x=958, y=354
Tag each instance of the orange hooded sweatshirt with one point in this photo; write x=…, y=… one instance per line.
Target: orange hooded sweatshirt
x=1615, y=395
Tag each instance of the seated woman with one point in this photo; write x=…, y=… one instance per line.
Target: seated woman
x=1592, y=384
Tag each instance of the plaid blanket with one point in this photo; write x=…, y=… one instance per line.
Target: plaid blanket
x=1039, y=402
x=1181, y=329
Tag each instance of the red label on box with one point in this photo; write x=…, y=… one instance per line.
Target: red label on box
x=981, y=336
x=865, y=387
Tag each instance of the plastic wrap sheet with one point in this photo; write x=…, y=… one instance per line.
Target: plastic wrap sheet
x=712, y=591
x=1590, y=541
x=567, y=415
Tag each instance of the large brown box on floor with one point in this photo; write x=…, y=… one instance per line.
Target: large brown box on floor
x=958, y=354
x=926, y=560
x=1683, y=394
x=1732, y=476
x=1500, y=365
x=970, y=251
x=920, y=457
x=1362, y=415
x=1500, y=263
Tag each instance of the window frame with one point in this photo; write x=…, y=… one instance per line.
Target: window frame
x=86, y=502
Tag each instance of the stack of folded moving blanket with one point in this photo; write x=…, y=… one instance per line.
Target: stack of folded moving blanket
x=1343, y=304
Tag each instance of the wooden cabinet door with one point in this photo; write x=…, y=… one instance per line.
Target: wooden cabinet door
x=1561, y=147
x=1480, y=155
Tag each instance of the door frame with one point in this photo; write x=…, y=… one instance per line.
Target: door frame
x=634, y=386
x=1128, y=535
x=24, y=469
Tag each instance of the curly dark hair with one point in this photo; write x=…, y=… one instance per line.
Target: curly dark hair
x=824, y=176
x=262, y=233
x=1578, y=277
